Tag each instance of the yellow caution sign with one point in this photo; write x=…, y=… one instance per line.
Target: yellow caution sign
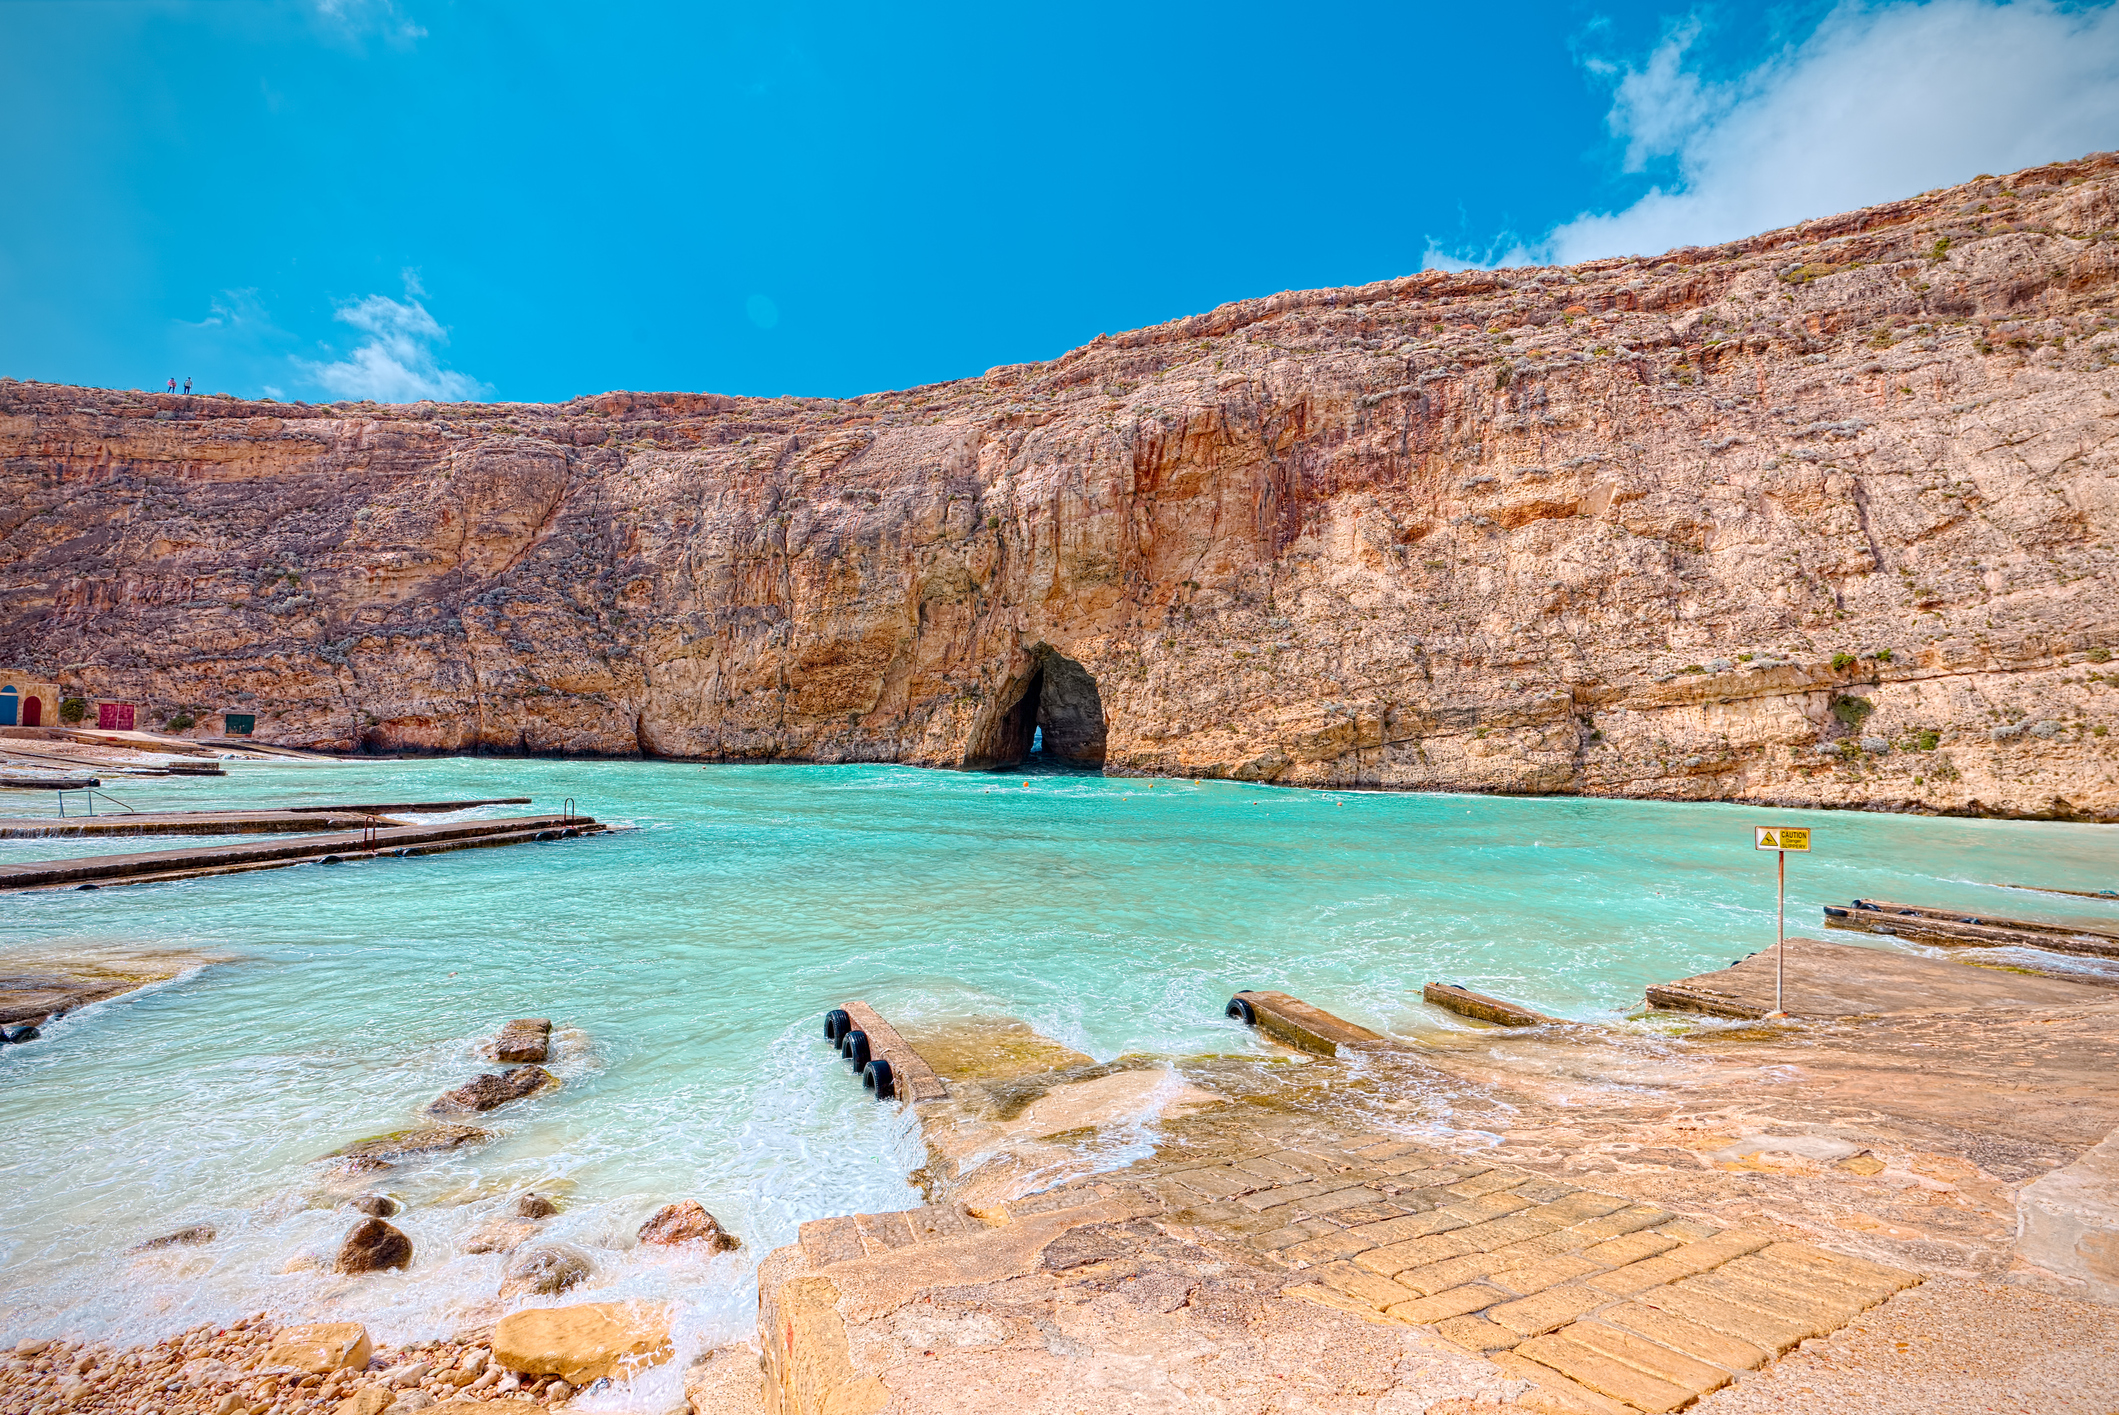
x=1782, y=837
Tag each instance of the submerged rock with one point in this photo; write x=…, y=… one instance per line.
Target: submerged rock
x=183, y=1238
x=489, y=1090
x=687, y=1222
x=552, y=1267
x=379, y=1151
x=585, y=1343
x=524, y=1039
x=372, y=1246
x=502, y=1235
x=375, y=1205
x=535, y=1205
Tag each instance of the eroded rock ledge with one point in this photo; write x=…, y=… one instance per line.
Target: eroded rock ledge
x=1823, y=516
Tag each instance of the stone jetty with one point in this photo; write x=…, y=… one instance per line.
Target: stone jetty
x=367, y=843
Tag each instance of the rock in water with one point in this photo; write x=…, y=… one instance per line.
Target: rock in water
x=381, y=1151
x=375, y=1205
x=545, y=1269
x=183, y=1238
x=372, y=1246
x=489, y=1090
x=524, y=1039
x=502, y=1235
x=319, y=1349
x=585, y=1343
x=535, y=1206
x=687, y=1222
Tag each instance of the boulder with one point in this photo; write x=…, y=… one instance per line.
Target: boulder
x=370, y=1400
x=545, y=1269
x=502, y=1235
x=585, y=1343
x=535, y=1206
x=381, y=1151
x=524, y=1039
x=372, y=1246
x=319, y=1348
x=183, y=1238
x=687, y=1222
x=489, y=1090
x=375, y=1205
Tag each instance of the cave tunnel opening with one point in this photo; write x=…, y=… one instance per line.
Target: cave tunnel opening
x=1056, y=719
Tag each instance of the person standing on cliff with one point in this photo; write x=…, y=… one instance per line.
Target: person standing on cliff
x=187, y=387
x=172, y=383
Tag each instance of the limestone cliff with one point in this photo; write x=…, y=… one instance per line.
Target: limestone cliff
x=1822, y=516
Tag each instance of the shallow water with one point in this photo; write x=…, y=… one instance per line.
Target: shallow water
x=696, y=953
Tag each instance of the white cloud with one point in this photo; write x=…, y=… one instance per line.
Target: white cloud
x=1881, y=102
x=398, y=362
x=354, y=17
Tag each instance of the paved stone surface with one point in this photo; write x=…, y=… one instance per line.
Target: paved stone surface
x=1586, y=1294
x=1827, y=978
x=1951, y=1344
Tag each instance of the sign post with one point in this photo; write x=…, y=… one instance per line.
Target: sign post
x=1780, y=839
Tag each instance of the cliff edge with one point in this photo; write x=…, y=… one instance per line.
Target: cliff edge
x=1824, y=516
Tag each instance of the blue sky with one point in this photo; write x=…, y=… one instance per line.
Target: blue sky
x=405, y=198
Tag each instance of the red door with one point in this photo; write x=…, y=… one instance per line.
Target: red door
x=33, y=712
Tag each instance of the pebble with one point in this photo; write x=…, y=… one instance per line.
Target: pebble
x=60, y=1378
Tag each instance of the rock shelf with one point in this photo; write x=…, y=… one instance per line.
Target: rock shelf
x=1830, y=979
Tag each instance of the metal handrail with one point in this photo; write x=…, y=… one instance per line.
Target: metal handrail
x=567, y=810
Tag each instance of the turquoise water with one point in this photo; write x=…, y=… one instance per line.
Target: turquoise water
x=694, y=954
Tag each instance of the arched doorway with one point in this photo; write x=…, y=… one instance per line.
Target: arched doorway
x=33, y=712
x=10, y=700
x=1056, y=707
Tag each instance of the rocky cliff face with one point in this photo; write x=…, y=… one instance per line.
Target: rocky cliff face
x=1824, y=516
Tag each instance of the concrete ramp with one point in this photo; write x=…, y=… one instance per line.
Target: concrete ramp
x=1829, y=979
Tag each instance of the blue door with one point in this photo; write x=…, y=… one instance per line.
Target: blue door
x=9, y=701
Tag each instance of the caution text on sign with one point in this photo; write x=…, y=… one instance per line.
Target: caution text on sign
x=1782, y=837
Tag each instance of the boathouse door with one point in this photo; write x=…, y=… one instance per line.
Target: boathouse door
x=33, y=712
x=9, y=701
